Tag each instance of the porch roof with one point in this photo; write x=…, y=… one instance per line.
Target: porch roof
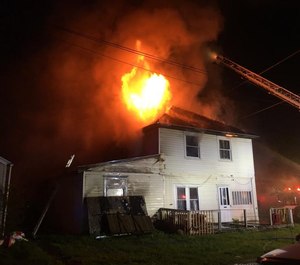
x=158, y=157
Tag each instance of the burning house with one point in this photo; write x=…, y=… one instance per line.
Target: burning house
x=188, y=162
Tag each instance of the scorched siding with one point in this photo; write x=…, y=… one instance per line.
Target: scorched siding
x=143, y=178
x=150, y=186
x=93, y=184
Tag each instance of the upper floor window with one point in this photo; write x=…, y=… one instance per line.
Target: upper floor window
x=225, y=149
x=192, y=148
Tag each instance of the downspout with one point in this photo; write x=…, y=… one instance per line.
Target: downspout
x=6, y=195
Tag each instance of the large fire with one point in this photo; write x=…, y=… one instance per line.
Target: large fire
x=145, y=93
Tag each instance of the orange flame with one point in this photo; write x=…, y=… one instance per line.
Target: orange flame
x=146, y=94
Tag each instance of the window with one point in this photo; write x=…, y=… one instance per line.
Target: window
x=181, y=199
x=192, y=146
x=241, y=197
x=187, y=198
x=115, y=186
x=194, y=202
x=225, y=151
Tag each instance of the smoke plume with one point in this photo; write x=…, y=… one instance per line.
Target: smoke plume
x=62, y=82
x=86, y=73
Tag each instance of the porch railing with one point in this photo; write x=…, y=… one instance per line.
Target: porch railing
x=281, y=216
x=189, y=222
x=204, y=221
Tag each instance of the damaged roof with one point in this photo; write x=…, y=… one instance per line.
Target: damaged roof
x=177, y=118
x=124, y=165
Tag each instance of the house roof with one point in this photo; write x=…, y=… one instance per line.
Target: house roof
x=5, y=161
x=177, y=118
x=114, y=164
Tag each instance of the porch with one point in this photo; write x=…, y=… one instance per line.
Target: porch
x=202, y=222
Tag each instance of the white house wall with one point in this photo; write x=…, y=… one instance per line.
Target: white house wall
x=156, y=177
x=173, y=147
x=149, y=186
x=207, y=172
x=93, y=184
x=143, y=177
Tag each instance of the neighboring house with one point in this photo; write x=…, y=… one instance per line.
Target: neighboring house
x=5, y=175
x=189, y=162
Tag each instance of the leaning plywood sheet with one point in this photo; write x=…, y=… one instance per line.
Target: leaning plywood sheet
x=120, y=224
x=118, y=215
x=143, y=224
x=94, y=215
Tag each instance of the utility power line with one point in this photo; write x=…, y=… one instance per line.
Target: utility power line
x=264, y=71
x=131, y=64
x=134, y=51
x=269, y=68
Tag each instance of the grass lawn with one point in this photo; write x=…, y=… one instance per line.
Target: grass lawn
x=237, y=247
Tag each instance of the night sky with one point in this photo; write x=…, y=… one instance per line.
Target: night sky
x=56, y=98
x=258, y=35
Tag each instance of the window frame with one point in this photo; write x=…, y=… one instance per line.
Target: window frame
x=123, y=186
x=188, y=199
x=224, y=149
x=242, y=197
x=192, y=146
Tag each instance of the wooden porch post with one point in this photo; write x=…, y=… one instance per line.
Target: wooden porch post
x=245, y=218
x=219, y=220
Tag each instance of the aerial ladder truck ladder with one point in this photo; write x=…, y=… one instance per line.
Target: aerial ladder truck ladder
x=278, y=91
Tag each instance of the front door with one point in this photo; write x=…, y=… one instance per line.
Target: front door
x=224, y=204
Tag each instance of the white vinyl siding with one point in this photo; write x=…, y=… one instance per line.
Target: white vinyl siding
x=150, y=185
x=93, y=184
x=210, y=171
x=157, y=178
